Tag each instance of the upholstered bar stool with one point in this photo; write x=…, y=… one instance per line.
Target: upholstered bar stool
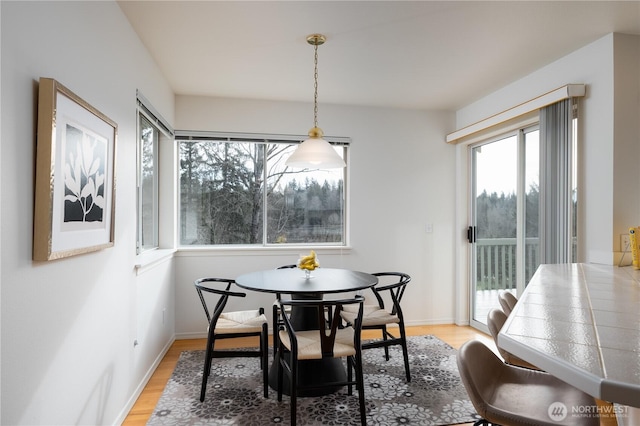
x=513, y=396
x=495, y=320
x=507, y=301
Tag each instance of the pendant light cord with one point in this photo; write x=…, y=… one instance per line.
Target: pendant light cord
x=315, y=87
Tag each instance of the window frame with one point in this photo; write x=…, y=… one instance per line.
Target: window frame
x=162, y=132
x=185, y=135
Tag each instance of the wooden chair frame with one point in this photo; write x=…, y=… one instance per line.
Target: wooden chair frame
x=204, y=285
x=327, y=337
x=396, y=292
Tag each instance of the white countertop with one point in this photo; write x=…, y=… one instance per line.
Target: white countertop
x=581, y=323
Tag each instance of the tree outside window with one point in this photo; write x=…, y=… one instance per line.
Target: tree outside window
x=148, y=186
x=239, y=192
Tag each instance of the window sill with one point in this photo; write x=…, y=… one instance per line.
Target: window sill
x=152, y=258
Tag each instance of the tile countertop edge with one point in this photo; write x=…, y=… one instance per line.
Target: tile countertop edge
x=621, y=393
x=567, y=372
x=600, y=386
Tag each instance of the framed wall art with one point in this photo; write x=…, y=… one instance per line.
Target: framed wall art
x=75, y=175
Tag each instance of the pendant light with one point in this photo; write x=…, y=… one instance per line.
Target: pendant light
x=315, y=152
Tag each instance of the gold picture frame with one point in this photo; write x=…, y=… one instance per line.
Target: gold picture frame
x=75, y=175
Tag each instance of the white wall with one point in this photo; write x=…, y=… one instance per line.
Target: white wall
x=401, y=178
x=68, y=325
x=626, y=137
x=609, y=135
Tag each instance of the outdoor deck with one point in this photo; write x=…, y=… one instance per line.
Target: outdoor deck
x=485, y=301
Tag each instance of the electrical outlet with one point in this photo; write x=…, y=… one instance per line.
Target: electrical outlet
x=164, y=314
x=625, y=243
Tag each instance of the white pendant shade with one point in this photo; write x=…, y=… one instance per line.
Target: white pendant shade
x=315, y=153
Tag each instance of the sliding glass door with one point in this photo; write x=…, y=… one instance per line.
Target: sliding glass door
x=504, y=218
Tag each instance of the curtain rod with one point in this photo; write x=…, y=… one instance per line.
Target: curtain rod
x=564, y=92
x=252, y=137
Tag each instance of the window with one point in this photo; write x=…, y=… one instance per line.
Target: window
x=236, y=190
x=151, y=130
x=148, y=188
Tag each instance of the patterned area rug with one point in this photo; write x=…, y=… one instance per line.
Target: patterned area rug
x=435, y=395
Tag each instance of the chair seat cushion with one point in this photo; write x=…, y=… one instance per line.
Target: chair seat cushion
x=240, y=322
x=509, y=395
x=371, y=315
x=523, y=394
x=309, y=346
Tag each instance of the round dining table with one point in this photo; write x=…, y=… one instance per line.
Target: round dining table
x=322, y=281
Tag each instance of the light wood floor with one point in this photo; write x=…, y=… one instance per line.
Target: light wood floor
x=146, y=403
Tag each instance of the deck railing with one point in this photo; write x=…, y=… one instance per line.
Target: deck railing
x=496, y=262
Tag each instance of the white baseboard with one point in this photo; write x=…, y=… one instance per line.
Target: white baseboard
x=192, y=335
x=440, y=321
x=134, y=397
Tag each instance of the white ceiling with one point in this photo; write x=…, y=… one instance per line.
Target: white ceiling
x=404, y=54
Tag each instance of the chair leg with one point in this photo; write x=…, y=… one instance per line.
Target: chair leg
x=264, y=359
x=384, y=337
x=280, y=376
x=360, y=386
x=293, y=390
x=349, y=375
x=275, y=317
x=405, y=353
x=208, y=357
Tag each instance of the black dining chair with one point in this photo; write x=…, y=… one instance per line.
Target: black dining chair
x=391, y=286
x=334, y=341
x=230, y=325
x=276, y=320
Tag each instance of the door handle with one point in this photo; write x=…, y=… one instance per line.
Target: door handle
x=471, y=234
